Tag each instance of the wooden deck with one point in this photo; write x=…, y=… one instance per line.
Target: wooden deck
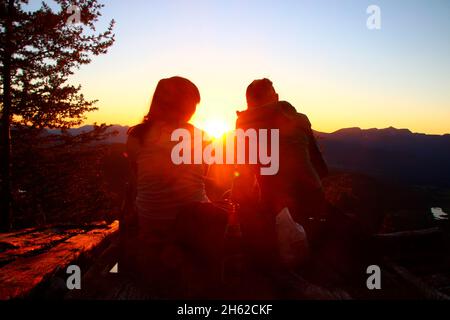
x=33, y=262
x=29, y=258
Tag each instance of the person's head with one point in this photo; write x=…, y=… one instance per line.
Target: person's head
x=261, y=92
x=175, y=100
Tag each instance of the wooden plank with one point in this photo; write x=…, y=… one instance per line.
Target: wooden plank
x=421, y=286
x=100, y=284
x=409, y=234
x=32, y=243
x=19, y=278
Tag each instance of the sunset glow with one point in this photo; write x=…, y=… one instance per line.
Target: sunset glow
x=319, y=54
x=216, y=128
x=189, y=153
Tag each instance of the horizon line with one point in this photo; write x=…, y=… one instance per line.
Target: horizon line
x=319, y=131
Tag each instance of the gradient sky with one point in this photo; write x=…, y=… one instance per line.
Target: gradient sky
x=319, y=54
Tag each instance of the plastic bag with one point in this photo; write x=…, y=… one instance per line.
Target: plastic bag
x=292, y=240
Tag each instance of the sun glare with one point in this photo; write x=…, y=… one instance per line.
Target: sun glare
x=216, y=128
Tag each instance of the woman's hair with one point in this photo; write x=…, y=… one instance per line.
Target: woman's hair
x=174, y=101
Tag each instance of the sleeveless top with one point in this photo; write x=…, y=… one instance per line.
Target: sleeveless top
x=162, y=187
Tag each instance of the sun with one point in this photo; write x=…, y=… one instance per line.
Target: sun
x=216, y=128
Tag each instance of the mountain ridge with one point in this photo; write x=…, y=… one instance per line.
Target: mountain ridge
x=394, y=154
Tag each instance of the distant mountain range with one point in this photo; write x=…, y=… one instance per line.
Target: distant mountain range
x=394, y=154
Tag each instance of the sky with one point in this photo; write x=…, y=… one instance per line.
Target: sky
x=319, y=54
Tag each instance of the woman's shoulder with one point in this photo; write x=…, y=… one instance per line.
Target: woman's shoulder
x=141, y=131
x=137, y=130
x=190, y=127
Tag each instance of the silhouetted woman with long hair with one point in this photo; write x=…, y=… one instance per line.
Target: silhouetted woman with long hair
x=170, y=200
x=162, y=186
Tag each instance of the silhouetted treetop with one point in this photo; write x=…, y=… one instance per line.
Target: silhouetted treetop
x=46, y=46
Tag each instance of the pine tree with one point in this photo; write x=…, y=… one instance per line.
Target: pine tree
x=40, y=50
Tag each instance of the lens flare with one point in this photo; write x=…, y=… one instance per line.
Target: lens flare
x=216, y=128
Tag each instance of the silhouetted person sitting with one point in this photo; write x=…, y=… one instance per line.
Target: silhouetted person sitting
x=297, y=185
x=175, y=220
